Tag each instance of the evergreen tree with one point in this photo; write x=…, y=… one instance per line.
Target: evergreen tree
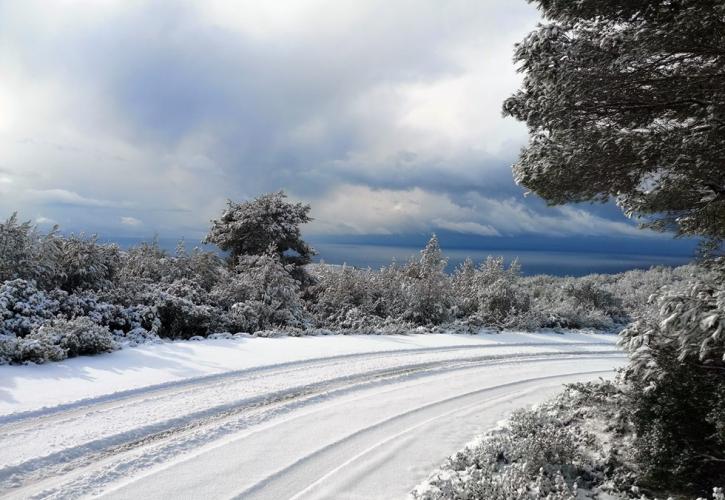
x=429, y=293
x=625, y=99
x=251, y=227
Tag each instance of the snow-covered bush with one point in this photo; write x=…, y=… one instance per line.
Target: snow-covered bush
x=136, y=336
x=676, y=371
x=76, y=337
x=341, y=292
x=464, y=289
x=501, y=301
x=536, y=455
x=147, y=261
x=55, y=261
x=577, y=445
x=56, y=341
x=428, y=288
x=204, y=268
x=83, y=263
x=27, y=254
x=270, y=295
x=23, y=307
x=181, y=309
x=105, y=311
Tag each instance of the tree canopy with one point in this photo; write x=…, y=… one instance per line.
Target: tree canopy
x=625, y=99
x=251, y=227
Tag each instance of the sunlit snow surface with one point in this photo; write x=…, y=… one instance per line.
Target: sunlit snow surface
x=334, y=417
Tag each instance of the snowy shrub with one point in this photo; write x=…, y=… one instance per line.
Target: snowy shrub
x=340, y=290
x=463, y=287
x=23, y=307
x=136, y=336
x=83, y=263
x=677, y=361
x=588, y=293
x=75, y=337
x=427, y=289
x=388, y=298
x=37, y=349
x=56, y=341
x=203, y=268
x=26, y=254
x=221, y=336
x=491, y=294
x=271, y=295
x=181, y=309
x=576, y=445
x=537, y=455
x=147, y=261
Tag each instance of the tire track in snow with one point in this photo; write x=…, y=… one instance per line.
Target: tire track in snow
x=122, y=398
x=152, y=408
x=69, y=459
x=267, y=482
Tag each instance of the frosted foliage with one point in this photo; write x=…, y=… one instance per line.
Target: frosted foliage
x=623, y=99
x=688, y=320
x=146, y=293
x=251, y=228
x=25, y=253
x=577, y=445
x=56, y=341
x=52, y=261
x=270, y=295
x=428, y=288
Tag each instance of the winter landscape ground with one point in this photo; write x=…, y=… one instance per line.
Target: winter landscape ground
x=243, y=364
x=222, y=418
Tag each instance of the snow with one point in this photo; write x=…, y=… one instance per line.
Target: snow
x=24, y=388
x=314, y=416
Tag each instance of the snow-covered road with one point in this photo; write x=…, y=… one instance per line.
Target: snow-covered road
x=322, y=417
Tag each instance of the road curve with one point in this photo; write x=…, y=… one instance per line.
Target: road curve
x=366, y=425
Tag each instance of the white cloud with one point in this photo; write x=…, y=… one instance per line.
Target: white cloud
x=131, y=221
x=360, y=210
x=64, y=196
x=44, y=220
x=467, y=227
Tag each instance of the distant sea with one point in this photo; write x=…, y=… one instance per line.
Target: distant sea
x=571, y=256
x=532, y=262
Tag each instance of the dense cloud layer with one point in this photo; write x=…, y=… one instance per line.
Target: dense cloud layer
x=133, y=117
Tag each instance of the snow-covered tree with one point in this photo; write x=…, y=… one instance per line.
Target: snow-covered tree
x=251, y=227
x=463, y=285
x=83, y=263
x=624, y=99
x=500, y=300
x=269, y=295
x=198, y=265
x=677, y=379
x=339, y=290
x=428, y=287
x=27, y=254
x=147, y=261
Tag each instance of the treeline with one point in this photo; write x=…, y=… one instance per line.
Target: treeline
x=63, y=295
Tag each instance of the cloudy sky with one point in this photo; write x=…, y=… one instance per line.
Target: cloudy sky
x=133, y=118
